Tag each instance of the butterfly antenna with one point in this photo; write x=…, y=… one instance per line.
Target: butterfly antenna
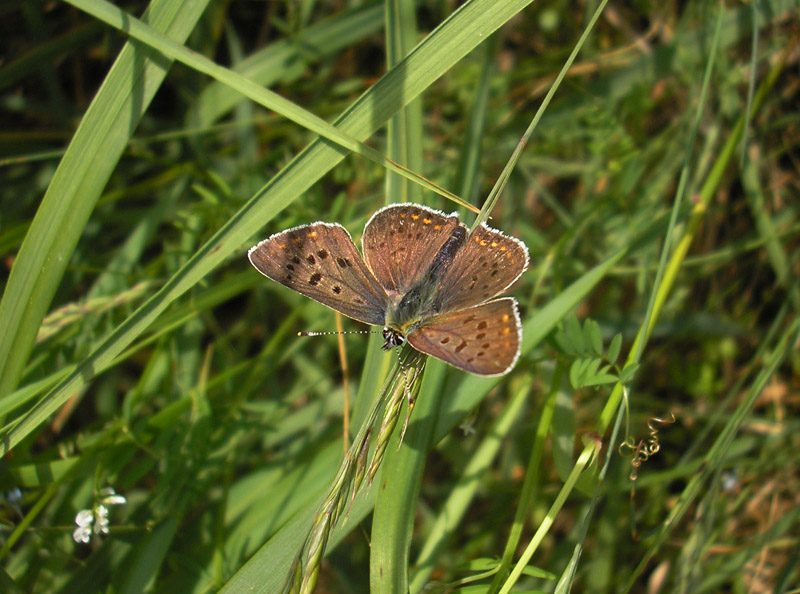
x=337, y=332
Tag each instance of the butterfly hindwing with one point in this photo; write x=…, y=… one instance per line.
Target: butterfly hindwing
x=484, y=339
x=320, y=261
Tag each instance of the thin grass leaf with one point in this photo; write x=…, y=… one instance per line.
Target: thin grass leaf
x=502, y=179
x=585, y=460
x=340, y=138
x=287, y=59
x=667, y=271
x=93, y=153
x=464, y=491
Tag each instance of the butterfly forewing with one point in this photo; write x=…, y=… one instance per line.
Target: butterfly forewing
x=401, y=242
x=484, y=267
x=484, y=339
x=321, y=262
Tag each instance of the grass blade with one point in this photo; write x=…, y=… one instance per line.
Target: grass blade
x=103, y=133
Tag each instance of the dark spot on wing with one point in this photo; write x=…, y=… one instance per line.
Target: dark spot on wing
x=342, y=262
x=296, y=260
x=462, y=346
x=482, y=325
x=445, y=340
x=290, y=267
x=337, y=289
x=315, y=278
x=322, y=254
x=310, y=259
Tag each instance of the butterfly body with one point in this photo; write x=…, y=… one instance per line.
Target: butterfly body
x=424, y=277
x=420, y=301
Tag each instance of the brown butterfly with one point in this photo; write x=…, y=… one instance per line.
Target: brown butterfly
x=424, y=277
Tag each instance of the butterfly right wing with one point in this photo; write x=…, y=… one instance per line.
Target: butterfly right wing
x=488, y=264
x=484, y=339
x=320, y=261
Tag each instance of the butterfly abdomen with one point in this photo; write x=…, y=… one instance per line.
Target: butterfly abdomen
x=448, y=252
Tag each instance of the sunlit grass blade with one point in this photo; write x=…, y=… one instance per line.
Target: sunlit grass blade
x=502, y=179
x=269, y=65
x=342, y=139
x=404, y=130
x=669, y=269
x=77, y=184
x=583, y=463
x=463, y=492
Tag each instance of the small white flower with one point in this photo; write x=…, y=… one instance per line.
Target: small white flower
x=101, y=515
x=84, y=518
x=109, y=497
x=96, y=519
x=83, y=533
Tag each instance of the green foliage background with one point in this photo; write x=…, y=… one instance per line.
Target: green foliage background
x=139, y=350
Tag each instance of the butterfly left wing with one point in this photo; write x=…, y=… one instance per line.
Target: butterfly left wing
x=484, y=339
x=320, y=261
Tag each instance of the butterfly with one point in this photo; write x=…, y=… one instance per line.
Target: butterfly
x=424, y=277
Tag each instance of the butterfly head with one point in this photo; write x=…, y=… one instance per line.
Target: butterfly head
x=392, y=338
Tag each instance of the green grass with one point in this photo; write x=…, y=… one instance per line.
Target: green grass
x=647, y=155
